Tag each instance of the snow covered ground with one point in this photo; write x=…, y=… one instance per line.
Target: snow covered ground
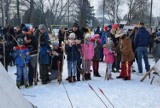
x=123, y=94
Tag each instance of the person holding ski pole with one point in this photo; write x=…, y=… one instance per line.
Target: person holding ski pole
x=109, y=57
x=21, y=55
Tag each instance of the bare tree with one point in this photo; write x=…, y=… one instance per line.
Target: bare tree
x=110, y=9
x=138, y=11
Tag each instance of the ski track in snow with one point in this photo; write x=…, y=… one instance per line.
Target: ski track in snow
x=123, y=94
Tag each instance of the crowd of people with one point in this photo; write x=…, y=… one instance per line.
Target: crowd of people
x=29, y=49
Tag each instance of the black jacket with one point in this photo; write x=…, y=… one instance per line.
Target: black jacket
x=55, y=59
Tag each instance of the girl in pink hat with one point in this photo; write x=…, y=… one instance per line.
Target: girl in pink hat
x=87, y=55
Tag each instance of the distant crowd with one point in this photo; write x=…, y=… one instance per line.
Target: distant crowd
x=39, y=55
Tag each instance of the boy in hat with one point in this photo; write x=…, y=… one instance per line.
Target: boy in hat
x=21, y=54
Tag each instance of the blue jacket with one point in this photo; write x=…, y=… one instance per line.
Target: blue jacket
x=44, y=47
x=105, y=34
x=21, y=59
x=1, y=31
x=142, y=38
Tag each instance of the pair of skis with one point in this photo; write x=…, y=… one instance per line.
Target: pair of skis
x=101, y=91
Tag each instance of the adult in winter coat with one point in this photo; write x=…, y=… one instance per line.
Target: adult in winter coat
x=96, y=58
x=132, y=36
x=32, y=43
x=7, y=32
x=79, y=36
x=44, y=53
x=111, y=35
x=104, y=35
x=71, y=48
x=87, y=55
x=156, y=48
x=127, y=55
x=141, y=42
x=61, y=35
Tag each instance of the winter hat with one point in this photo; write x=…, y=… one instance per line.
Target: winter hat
x=75, y=25
x=88, y=35
x=20, y=41
x=42, y=27
x=105, y=28
x=119, y=33
x=96, y=36
x=72, y=35
x=56, y=43
x=115, y=26
x=25, y=29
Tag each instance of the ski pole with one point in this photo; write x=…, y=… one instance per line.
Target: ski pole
x=67, y=95
x=106, y=97
x=20, y=49
x=96, y=94
x=4, y=51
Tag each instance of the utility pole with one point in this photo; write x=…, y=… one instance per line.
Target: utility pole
x=68, y=14
x=3, y=13
x=151, y=13
x=103, y=10
x=115, y=16
x=18, y=15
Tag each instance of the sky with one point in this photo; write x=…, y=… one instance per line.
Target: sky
x=156, y=7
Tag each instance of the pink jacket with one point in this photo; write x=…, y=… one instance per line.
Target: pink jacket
x=108, y=56
x=87, y=51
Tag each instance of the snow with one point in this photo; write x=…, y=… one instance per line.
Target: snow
x=123, y=94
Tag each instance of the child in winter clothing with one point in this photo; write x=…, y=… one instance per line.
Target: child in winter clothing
x=96, y=58
x=109, y=56
x=57, y=55
x=72, y=51
x=87, y=55
x=22, y=57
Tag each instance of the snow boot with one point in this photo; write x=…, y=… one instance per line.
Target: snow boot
x=119, y=77
x=26, y=84
x=70, y=79
x=74, y=78
x=18, y=84
x=86, y=76
x=110, y=76
x=107, y=76
x=89, y=76
x=96, y=74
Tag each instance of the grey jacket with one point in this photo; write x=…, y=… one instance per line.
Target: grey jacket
x=156, y=48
